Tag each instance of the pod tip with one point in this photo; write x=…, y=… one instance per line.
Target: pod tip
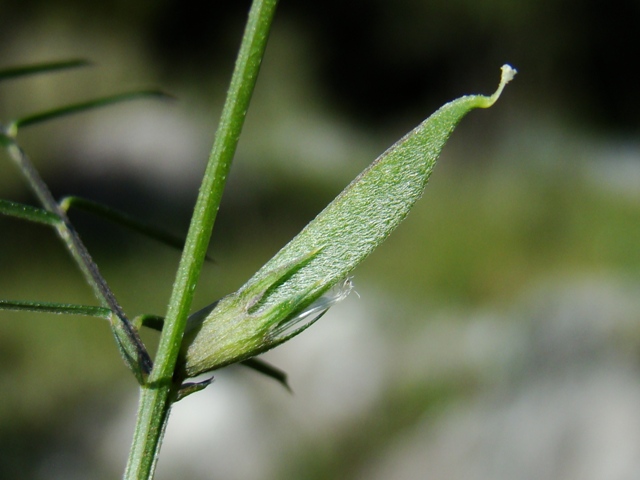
x=507, y=74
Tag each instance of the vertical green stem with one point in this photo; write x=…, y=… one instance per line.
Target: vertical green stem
x=156, y=397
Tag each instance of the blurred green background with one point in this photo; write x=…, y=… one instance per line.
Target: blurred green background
x=495, y=335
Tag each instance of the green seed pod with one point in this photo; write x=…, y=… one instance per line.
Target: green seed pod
x=286, y=295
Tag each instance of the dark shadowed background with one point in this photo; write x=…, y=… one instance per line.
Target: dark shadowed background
x=496, y=334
